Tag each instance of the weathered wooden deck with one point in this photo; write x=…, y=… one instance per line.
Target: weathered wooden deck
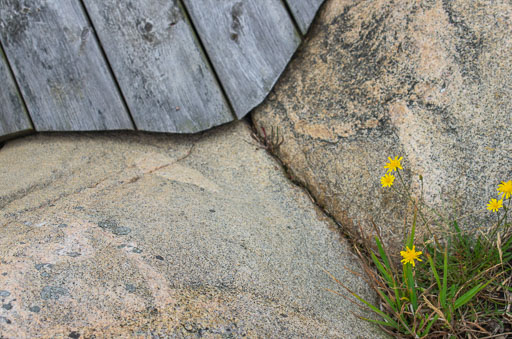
x=179, y=66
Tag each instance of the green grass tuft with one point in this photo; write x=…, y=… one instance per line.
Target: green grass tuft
x=462, y=290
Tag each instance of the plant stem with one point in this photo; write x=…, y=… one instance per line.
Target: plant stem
x=409, y=196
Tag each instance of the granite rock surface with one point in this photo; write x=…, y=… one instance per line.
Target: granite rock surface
x=150, y=235
x=430, y=81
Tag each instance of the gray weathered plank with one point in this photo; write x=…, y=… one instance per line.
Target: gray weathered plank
x=13, y=116
x=249, y=44
x=60, y=69
x=159, y=65
x=304, y=12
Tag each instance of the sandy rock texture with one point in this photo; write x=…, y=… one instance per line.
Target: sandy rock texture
x=149, y=235
x=427, y=80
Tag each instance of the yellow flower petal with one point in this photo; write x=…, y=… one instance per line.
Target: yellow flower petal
x=494, y=205
x=387, y=180
x=393, y=164
x=505, y=188
x=409, y=255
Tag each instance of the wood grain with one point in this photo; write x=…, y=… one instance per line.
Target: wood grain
x=60, y=69
x=304, y=12
x=249, y=44
x=159, y=65
x=13, y=116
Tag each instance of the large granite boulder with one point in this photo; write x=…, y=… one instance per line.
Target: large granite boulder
x=427, y=80
x=157, y=236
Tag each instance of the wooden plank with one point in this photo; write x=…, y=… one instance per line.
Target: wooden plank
x=304, y=12
x=159, y=65
x=60, y=69
x=13, y=116
x=249, y=44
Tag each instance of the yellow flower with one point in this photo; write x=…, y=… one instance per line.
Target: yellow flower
x=505, y=188
x=393, y=164
x=387, y=180
x=494, y=205
x=410, y=255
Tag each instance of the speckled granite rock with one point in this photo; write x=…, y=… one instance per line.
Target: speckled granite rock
x=130, y=235
x=427, y=80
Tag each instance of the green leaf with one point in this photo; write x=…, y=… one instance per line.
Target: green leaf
x=409, y=279
x=466, y=297
x=382, y=270
x=445, y=279
x=383, y=254
x=434, y=270
x=429, y=325
x=457, y=229
x=373, y=308
x=388, y=301
x=379, y=322
x=507, y=243
x=410, y=241
x=422, y=321
x=390, y=321
x=410, y=286
x=391, y=279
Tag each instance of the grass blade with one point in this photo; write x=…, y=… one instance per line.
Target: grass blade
x=382, y=270
x=379, y=322
x=411, y=286
x=383, y=254
x=388, y=301
x=410, y=241
x=390, y=322
x=392, y=280
x=386, y=317
x=466, y=297
x=429, y=325
x=438, y=312
x=445, y=279
x=434, y=270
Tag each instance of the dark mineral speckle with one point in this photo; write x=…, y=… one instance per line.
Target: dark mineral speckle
x=53, y=292
x=130, y=288
x=121, y=230
x=74, y=254
x=5, y=320
x=159, y=257
x=113, y=227
x=107, y=224
x=74, y=335
x=41, y=266
x=34, y=309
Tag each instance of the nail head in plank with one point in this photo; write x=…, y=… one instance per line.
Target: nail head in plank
x=304, y=12
x=13, y=116
x=163, y=74
x=59, y=67
x=249, y=44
